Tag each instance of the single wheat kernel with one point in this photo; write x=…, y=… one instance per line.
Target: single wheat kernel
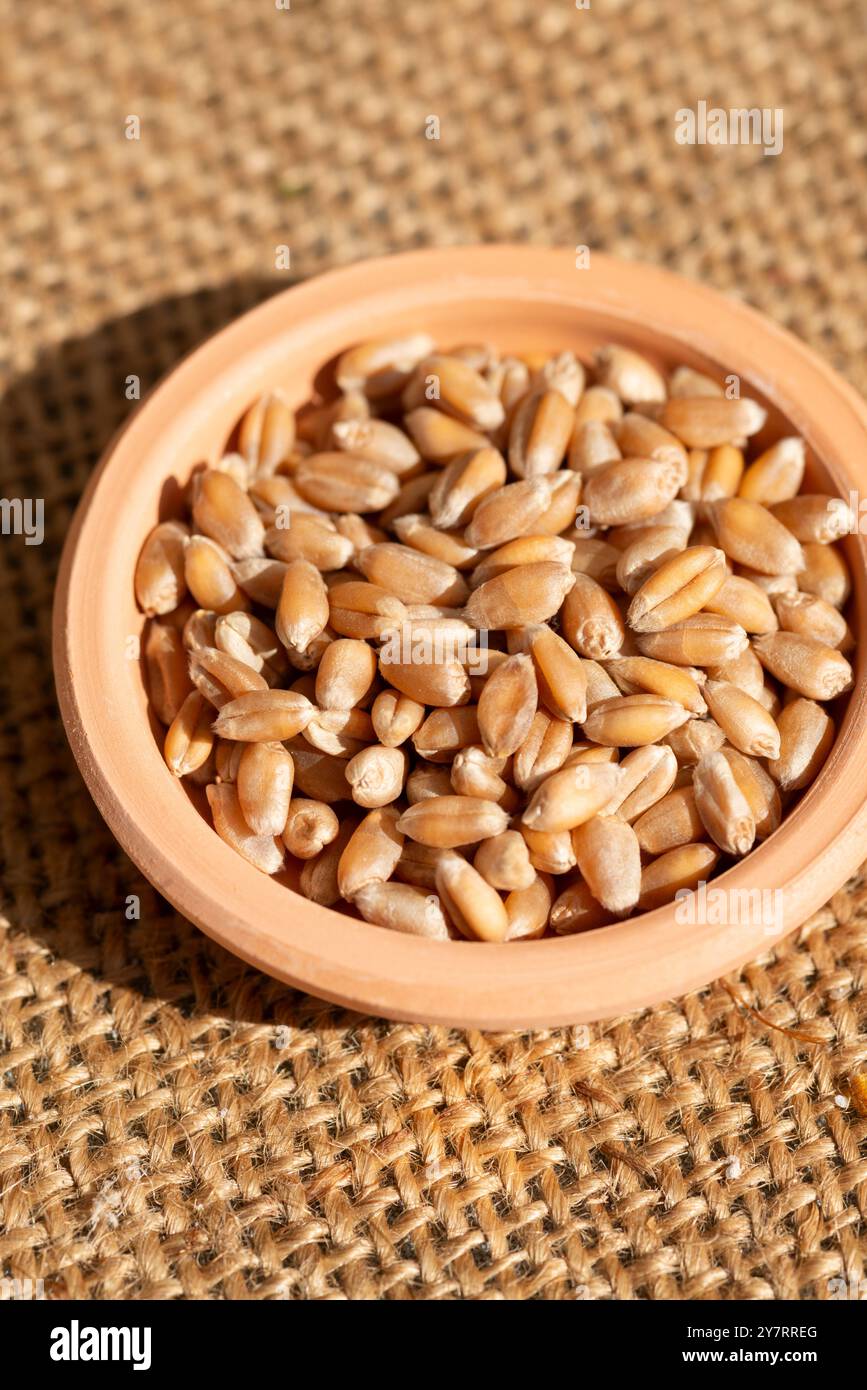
x=340, y=482
x=592, y=446
x=372, y=852
x=376, y=775
x=543, y=751
x=189, y=740
x=476, y=908
x=806, y=738
x=608, y=856
x=311, y=538
x=598, y=403
x=686, y=381
x=670, y=822
x=165, y=661
x=507, y=706
x=751, y=535
x=266, y=435
x=461, y=392
x=722, y=473
x=825, y=573
x=439, y=438
x=744, y=602
x=815, y=518
x=475, y=773
x=804, y=665
x=680, y=870
x=448, y=821
x=418, y=531
x=264, y=852
x=640, y=437
x=576, y=910
x=724, y=810
x=628, y=374
x=345, y=674
x=159, y=573
x=560, y=677
x=641, y=674
x=743, y=720
x=571, y=796
x=776, y=474
x=702, y=640
x=309, y=827
x=529, y=909
x=640, y=559
x=223, y=511
x=525, y=550
x=381, y=366
x=590, y=621
x=759, y=789
x=504, y=861
x=411, y=575
x=264, y=784
x=209, y=576
x=540, y=432
x=704, y=422
x=463, y=484
x=395, y=717
x=403, y=908
x=680, y=587
x=444, y=683
x=444, y=731
x=264, y=716
x=811, y=616
x=632, y=490
x=646, y=776
x=303, y=609
x=320, y=776
x=528, y=594
x=379, y=442
x=551, y=852
x=508, y=513
x=629, y=721
x=694, y=739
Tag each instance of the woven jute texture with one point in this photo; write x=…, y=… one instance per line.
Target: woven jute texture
x=173, y=1125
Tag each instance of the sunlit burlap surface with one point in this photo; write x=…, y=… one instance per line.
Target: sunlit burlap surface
x=173, y=1125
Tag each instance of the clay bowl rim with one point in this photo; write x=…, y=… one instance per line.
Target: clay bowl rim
x=588, y=977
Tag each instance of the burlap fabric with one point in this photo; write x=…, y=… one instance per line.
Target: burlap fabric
x=173, y=1125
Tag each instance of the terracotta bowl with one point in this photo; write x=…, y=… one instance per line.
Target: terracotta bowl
x=520, y=298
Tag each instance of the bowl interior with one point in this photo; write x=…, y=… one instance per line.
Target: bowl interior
x=519, y=300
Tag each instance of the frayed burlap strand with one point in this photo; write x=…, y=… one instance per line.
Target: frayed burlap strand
x=173, y=1125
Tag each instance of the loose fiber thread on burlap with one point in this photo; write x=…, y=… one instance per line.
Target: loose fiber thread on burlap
x=172, y=1124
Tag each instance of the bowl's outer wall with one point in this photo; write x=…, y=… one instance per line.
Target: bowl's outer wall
x=519, y=298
